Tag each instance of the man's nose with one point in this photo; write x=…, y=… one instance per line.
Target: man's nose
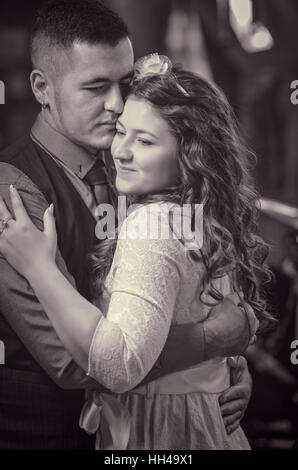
x=114, y=102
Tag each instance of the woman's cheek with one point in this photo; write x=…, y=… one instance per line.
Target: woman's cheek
x=114, y=146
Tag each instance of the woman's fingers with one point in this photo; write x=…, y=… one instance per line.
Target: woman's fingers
x=20, y=212
x=5, y=216
x=4, y=212
x=49, y=230
x=49, y=226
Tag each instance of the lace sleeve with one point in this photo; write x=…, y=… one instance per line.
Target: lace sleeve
x=146, y=279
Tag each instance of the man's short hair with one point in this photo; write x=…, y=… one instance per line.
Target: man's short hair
x=60, y=23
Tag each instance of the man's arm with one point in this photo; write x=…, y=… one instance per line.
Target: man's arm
x=226, y=332
x=19, y=304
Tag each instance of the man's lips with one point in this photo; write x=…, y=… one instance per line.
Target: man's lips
x=108, y=123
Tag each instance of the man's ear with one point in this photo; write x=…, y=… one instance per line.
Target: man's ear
x=39, y=85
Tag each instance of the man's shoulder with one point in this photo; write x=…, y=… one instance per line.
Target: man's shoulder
x=12, y=166
x=14, y=151
x=10, y=170
x=10, y=174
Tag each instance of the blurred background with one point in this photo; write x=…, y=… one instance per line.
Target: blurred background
x=247, y=47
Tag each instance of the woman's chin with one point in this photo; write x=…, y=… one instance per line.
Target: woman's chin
x=130, y=188
x=125, y=188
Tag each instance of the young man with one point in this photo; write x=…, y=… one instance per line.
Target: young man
x=83, y=62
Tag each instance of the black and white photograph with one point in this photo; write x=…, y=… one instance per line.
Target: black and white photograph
x=148, y=227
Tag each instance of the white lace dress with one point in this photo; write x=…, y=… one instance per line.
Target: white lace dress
x=151, y=285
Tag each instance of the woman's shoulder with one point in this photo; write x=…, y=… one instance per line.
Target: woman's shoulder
x=148, y=227
x=148, y=222
x=153, y=228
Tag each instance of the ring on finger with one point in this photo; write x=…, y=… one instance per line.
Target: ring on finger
x=4, y=223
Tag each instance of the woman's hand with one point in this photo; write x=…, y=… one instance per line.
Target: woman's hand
x=25, y=247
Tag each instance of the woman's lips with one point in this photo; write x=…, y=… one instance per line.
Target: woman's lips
x=125, y=170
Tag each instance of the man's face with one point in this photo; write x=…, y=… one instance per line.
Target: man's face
x=87, y=97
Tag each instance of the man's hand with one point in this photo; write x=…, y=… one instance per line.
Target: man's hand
x=233, y=401
x=229, y=329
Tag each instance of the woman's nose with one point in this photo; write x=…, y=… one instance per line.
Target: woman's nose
x=123, y=152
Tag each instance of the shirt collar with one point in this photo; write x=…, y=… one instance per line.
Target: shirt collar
x=75, y=158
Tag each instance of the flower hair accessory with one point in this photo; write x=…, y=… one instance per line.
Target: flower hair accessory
x=155, y=64
x=152, y=64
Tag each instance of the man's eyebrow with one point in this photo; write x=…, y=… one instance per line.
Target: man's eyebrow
x=103, y=80
x=94, y=80
x=128, y=76
x=138, y=131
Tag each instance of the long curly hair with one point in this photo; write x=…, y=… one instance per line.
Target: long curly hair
x=214, y=170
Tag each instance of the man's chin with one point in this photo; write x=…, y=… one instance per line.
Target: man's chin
x=102, y=143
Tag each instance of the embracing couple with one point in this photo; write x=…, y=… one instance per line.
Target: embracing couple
x=126, y=342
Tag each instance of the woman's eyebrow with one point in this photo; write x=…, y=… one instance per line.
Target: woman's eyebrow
x=119, y=122
x=143, y=131
x=128, y=76
x=138, y=131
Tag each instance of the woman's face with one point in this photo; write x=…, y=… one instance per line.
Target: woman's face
x=144, y=150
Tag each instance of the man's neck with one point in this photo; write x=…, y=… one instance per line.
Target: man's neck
x=47, y=117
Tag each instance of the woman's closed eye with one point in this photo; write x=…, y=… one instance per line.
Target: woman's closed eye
x=145, y=141
x=120, y=132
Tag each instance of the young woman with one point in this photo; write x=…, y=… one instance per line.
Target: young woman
x=176, y=146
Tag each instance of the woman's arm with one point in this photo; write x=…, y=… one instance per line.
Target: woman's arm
x=124, y=346
x=128, y=342
x=144, y=290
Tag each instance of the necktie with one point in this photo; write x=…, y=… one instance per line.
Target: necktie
x=97, y=180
